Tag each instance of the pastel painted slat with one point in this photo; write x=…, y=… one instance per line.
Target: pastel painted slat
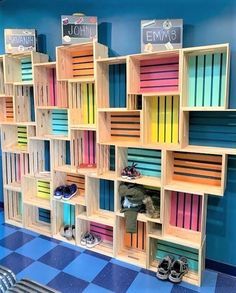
x=175, y=125
x=195, y=205
x=86, y=148
x=173, y=214
x=84, y=103
x=216, y=80
x=168, y=119
x=154, y=117
x=158, y=83
x=166, y=61
x=161, y=130
x=200, y=80
x=159, y=75
x=91, y=147
x=187, y=214
x=191, y=81
x=51, y=88
x=208, y=80
x=91, y=104
x=180, y=211
x=223, y=79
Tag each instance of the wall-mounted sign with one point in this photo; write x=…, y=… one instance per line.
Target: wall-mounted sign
x=78, y=29
x=19, y=40
x=161, y=34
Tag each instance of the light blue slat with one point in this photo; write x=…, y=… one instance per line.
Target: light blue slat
x=191, y=81
x=216, y=80
x=25, y=60
x=59, y=122
x=208, y=80
x=144, y=152
x=200, y=79
x=66, y=213
x=149, y=173
x=26, y=72
x=144, y=159
x=26, y=66
x=223, y=76
x=146, y=166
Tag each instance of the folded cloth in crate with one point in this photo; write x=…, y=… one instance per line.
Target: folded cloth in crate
x=132, y=194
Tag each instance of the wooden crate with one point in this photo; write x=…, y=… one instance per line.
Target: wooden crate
x=111, y=74
x=13, y=207
x=18, y=68
x=161, y=119
x=24, y=103
x=37, y=219
x=60, y=153
x=120, y=126
x=154, y=73
x=82, y=103
x=106, y=160
x=6, y=109
x=159, y=248
x=206, y=77
x=195, y=171
x=83, y=149
x=185, y=216
x=48, y=91
x=77, y=62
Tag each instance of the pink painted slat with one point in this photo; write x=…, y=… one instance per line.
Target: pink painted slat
x=173, y=208
x=157, y=83
x=86, y=147
x=195, y=203
x=18, y=169
x=180, y=216
x=51, y=85
x=187, y=214
x=166, y=60
x=160, y=68
x=159, y=75
x=101, y=230
x=159, y=89
x=200, y=215
x=55, y=86
x=101, y=225
x=91, y=147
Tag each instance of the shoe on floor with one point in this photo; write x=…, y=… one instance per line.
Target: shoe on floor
x=69, y=191
x=58, y=192
x=178, y=269
x=66, y=231
x=163, y=269
x=84, y=237
x=93, y=240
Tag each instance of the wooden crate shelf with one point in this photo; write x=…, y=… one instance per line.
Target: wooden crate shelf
x=193, y=171
x=6, y=109
x=49, y=91
x=76, y=62
x=206, y=77
x=19, y=68
x=13, y=209
x=119, y=126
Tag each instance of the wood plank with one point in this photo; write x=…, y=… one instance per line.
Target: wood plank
x=197, y=172
x=184, y=163
x=198, y=157
x=193, y=179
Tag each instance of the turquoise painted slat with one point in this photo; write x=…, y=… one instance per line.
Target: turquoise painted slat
x=191, y=81
x=223, y=76
x=146, y=165
x=26, y=71
x=72, y=215
x=44, y=215
x=216, y=80
x=60, y=127
x=26, y=60
x=208, y=80
x=59, y=122
x=66, y=214
x=26, y=66
x=117, y=93
x=200, y=79
x=144, y=152
x=144, y=159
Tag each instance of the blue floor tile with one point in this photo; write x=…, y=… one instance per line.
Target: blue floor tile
x=92, y=288
x=180, y=289
x=50, y=239
x=115, y=278
x=85, y=267
x=71, y=246
x=2, y=220
x=125, y=264
x=39, y=272
x=4, y=252
x=43, y=246
x=59, y=257
x=16, y=262
x=145, y=283
x=105, y=257
x=6, y=231
x=148, y=272
x=225, y=283
x=15, y=240
x=68, y=284
x=29, y=232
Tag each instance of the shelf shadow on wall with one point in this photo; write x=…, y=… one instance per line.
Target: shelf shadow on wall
x=104, y=37
x=42, y=45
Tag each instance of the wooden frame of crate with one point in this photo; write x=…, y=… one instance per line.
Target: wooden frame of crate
x=142, y=108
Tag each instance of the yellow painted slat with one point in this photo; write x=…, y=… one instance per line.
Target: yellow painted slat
x=84, y=103
x=154, y=136
x=168, y=118
x=175, y=126
x=161, y=119
x=91, y=104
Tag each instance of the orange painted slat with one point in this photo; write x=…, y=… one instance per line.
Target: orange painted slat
x=125, y=132
x=82, y=59
x=123, y=126
x=198, y=157
x=83, y=72
x=83, y=66
x=125, y=119
x=197, y=172
x=193, y=179
x=134, y=240
x=197, y=164
x=140, y=235
x=127, y=239
x=82, y=53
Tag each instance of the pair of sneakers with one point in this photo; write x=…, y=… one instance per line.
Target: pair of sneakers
x=68, y=231
x=90, y=240
x=65, y=192
x=172, y=269
x=130, y=172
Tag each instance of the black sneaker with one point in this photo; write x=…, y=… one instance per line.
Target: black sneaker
x=164, y=266
x=178, y=269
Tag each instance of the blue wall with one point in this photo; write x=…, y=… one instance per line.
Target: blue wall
x=205, y=22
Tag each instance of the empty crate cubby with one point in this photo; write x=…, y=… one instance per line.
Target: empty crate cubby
x=206, y=73
x=62, y=153
x=154, y=73
x=48, y=91
x=82, y=103
x=120, y=126
x=184, y=216
x=161, y=119
x=6, y=109
x=111, y=75
x=195, y=171
x=24, y=103
x=13, y=207
x=106, y=160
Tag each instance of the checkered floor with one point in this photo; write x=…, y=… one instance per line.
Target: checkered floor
x=71, y=269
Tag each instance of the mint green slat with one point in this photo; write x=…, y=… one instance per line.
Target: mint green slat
x=185, y=248
x=223, y=75
x=208, y=80
x=200, y=73
x=191, y=81
x=216, y=80
x=26, y=60
x=27, y=71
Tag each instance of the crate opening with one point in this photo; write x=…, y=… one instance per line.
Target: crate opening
x=106, y=195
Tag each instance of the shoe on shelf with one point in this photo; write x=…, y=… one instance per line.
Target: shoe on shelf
x=84, y=237
x=73, y=231
x=163, y=269
x=58, y=192
x=133, y=173
x=178, y=269
x=69, y=191
x=66, y=231
x=93, y=240
x=124, y=173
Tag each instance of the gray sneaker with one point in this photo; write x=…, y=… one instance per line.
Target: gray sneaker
x=164, y=267
x=84, y=238
x=66, y=231
x=93, y=241
x=178, y=269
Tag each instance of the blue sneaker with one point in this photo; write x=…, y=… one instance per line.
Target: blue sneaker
x=58, y=192
x=69, y=191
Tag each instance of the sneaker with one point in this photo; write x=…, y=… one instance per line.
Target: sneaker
x=178, y=269
x=66, y=231
x=73, y=231
x=163, y=269
x=58, y=192
x=133, y=173
x=69, y=191
x=124, y=173
x=84, y=237
x=93, y=240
